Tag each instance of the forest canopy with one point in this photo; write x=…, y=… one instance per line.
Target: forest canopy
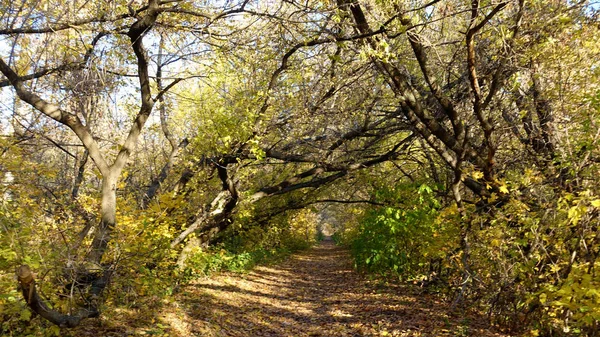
x=450, y=143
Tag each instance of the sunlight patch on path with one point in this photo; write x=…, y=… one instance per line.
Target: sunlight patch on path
x=315, y=293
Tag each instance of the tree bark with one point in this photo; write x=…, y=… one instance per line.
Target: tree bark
x=108, y=217
x=214, y=219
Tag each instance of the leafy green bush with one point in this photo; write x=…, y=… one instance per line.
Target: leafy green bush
x=402, y=240
x=254, y=244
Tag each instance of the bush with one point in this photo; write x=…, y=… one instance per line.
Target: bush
x=404, y=240
x=530, y=266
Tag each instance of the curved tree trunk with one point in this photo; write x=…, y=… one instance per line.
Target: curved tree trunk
x=213, y=219
x=28, y=288
x=207, y=226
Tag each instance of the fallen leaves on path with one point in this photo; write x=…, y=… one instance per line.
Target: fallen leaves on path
x=314, y=293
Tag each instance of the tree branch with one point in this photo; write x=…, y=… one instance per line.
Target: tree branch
x=136, y=33
x=70, y=120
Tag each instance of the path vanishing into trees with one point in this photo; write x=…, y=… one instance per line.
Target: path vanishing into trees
x=313, y=293
x=147, y=143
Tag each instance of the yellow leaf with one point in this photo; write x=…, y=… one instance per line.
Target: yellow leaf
x=503, y=188
x=596, y=203
x=574, y=214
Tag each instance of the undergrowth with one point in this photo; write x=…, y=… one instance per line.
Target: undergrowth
x=528, y=266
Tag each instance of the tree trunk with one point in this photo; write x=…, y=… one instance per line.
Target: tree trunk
x=35, y=302
x=164, y=173
x=108, y=213
x=214, y=219
x=79, y=178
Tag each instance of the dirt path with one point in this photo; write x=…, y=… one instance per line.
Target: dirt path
x=314, y=293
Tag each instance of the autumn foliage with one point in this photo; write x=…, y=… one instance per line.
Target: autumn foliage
x=450, y=145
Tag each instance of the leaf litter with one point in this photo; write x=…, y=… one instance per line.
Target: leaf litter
x=314, y=293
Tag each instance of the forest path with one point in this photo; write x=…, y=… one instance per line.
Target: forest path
x=314, y=293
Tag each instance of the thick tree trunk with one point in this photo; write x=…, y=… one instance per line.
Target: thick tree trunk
x=108, y=213
x=98, y=276
x=208, y=225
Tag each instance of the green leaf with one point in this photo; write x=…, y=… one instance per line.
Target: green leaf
x=55, y=330
x=25, y=315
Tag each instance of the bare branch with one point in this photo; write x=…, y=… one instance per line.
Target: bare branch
x=70, y=120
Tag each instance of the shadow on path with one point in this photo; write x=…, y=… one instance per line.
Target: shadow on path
x=314, y=293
